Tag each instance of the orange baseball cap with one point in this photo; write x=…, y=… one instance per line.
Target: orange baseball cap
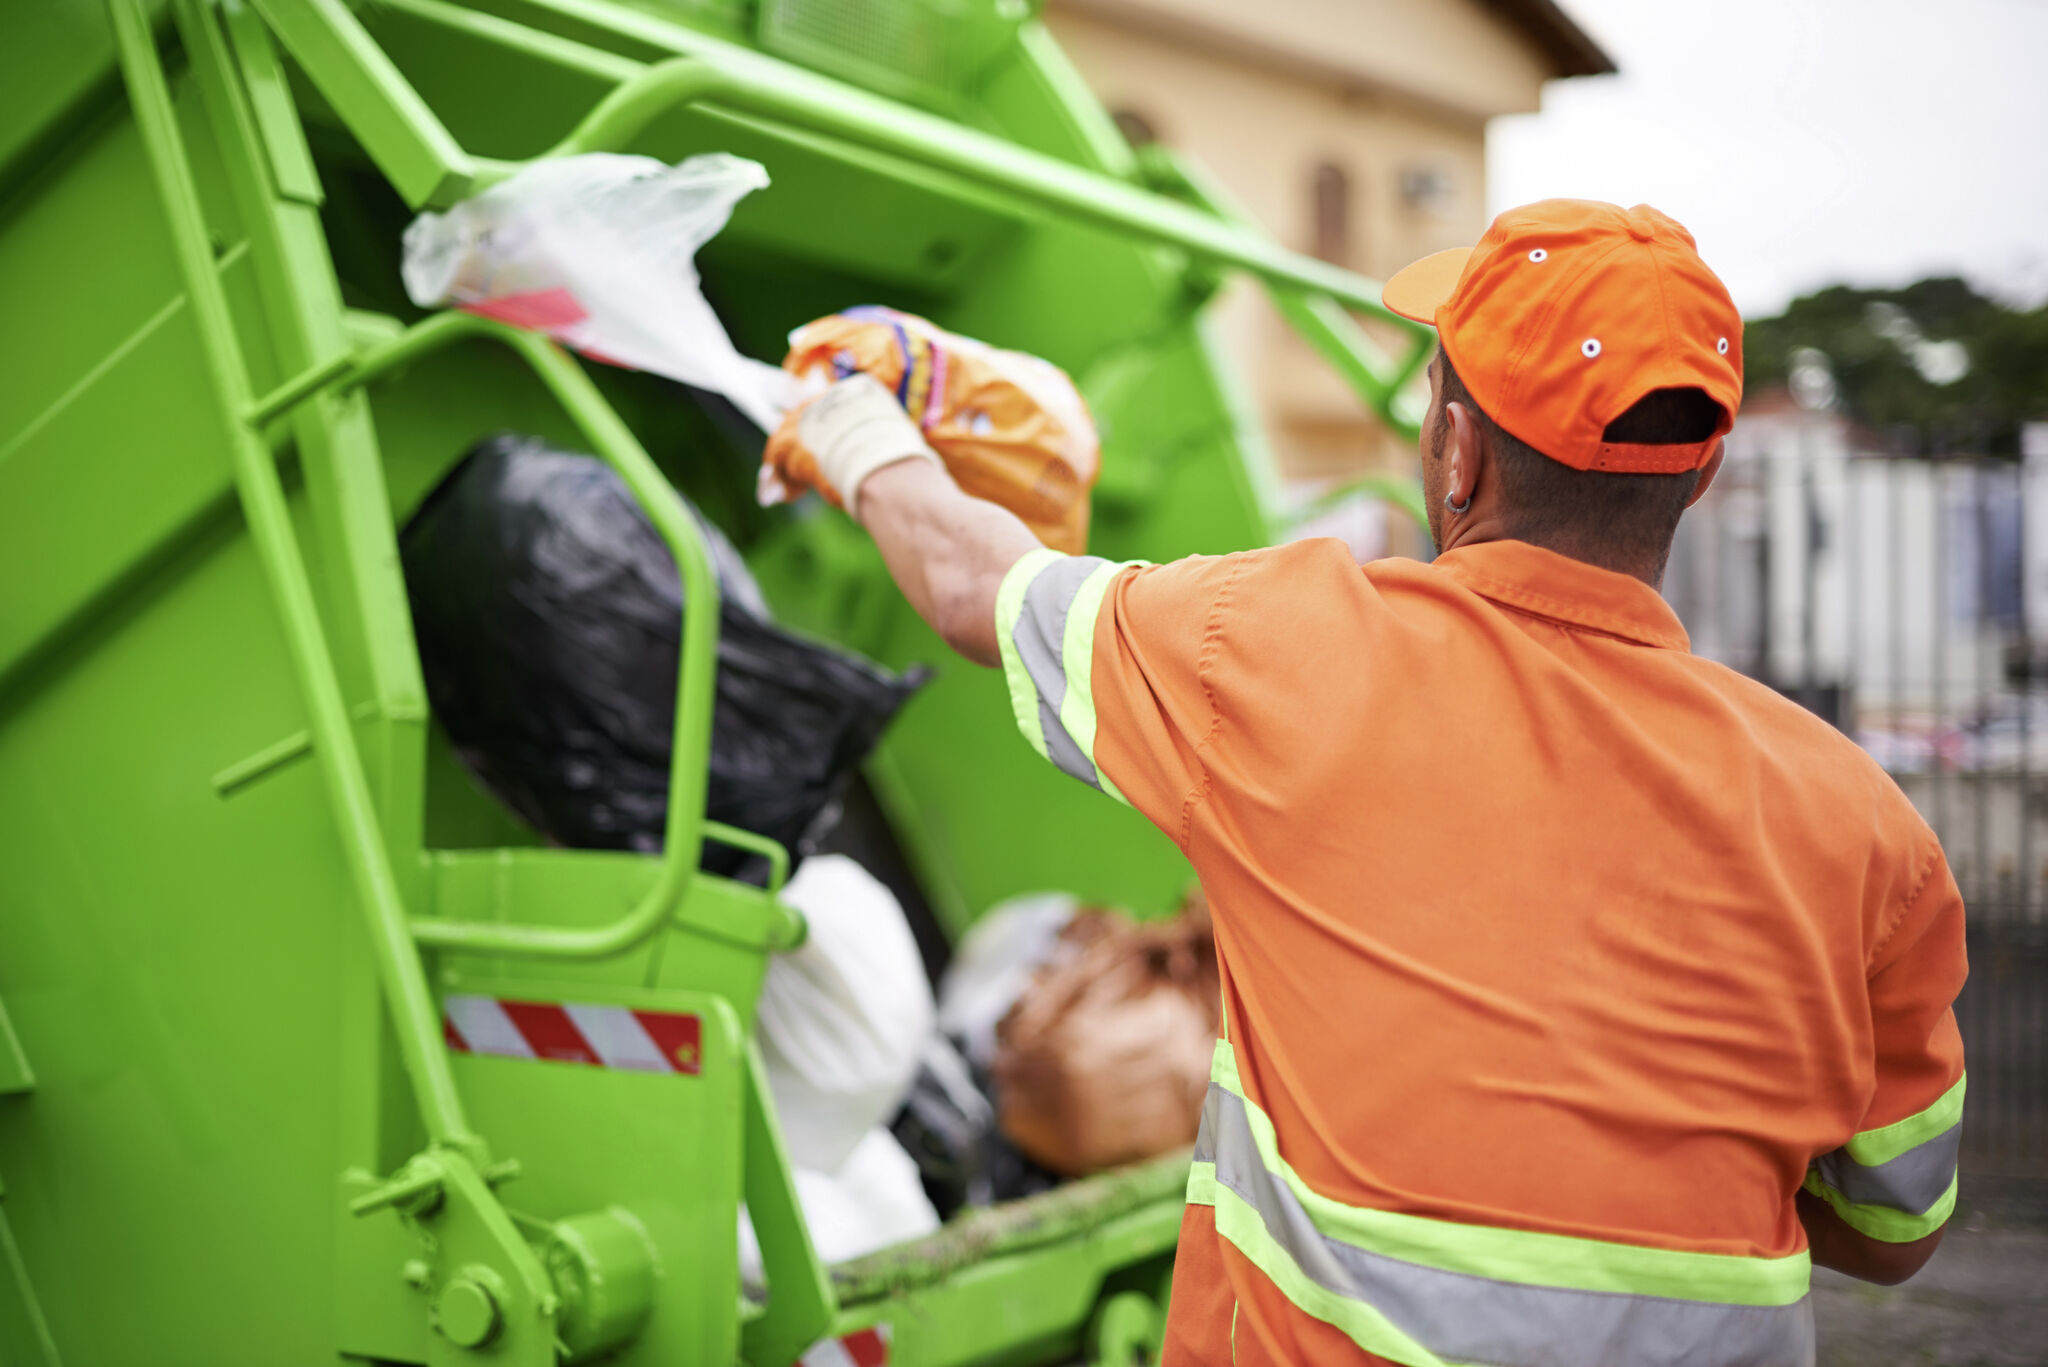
x=1569, y=311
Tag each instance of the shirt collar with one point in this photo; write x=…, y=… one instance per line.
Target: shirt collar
x=1532, y=579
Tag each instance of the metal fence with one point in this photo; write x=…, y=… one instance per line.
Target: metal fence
x=1906, y=601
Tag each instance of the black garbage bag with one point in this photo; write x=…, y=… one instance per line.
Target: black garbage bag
x=948, y=1127
x=548, y=614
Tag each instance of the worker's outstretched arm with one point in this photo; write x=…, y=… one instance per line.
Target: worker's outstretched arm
x=947, y=551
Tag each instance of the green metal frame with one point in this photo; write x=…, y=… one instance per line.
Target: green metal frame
x=262, y=495
x=455, y=1176
x=261, y=491
x=431, y=169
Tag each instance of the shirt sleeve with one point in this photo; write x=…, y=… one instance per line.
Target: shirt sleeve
x=1895, y=1180
x=1104, y=661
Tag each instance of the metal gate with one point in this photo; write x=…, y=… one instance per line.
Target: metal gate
x=1906, y=601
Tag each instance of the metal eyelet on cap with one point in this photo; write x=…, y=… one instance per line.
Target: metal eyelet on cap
x=1722, y=346
x=1539, y=256
x=1590, y=348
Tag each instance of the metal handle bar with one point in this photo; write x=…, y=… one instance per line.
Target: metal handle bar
x=613, y=441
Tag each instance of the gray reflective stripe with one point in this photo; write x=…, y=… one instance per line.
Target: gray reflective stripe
x=1471, y=1319
x=1040, y=637
x=1913, y=1182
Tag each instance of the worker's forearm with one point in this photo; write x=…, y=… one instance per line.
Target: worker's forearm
x=1834, y=1243
x=948, y=552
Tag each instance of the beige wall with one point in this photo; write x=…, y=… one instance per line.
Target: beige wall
x=1384, y=89
x=1458, y=53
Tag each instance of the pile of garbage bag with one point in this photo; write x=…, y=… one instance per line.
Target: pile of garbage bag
x=1064, y=1040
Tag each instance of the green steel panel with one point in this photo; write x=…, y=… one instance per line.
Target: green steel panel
x=16, y=1076
x=171, y=967
x=24, y=1333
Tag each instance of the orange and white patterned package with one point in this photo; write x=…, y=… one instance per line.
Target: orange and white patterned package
x=1010, y=427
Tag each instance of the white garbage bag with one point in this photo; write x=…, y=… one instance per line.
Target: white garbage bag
x=993, y=965
x=874, y=1200
x=598, y=251
x=844, y=1017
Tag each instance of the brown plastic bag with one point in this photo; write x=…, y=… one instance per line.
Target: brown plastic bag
x=1010, y=427
x=1105, y=1058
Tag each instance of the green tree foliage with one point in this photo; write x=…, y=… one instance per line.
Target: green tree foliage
x=1935, y=368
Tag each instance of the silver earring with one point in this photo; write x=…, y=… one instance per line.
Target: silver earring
x=1457, y=509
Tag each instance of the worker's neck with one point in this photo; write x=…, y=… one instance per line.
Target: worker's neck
x=1481, y=527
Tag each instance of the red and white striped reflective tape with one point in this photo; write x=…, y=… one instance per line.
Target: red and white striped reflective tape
x=861, y=1348
x=575, y=1032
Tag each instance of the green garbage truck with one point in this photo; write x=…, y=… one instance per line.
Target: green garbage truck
x=242, y=872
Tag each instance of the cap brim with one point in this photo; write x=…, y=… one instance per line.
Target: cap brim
x=1417, y=289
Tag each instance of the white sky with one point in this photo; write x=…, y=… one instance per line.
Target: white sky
x=1806, y=142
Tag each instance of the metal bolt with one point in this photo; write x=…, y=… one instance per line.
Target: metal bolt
x=466, y=1313
x=602, y=1266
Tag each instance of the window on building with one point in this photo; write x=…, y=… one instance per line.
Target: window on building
x=1330, y=212
x=1428, y=188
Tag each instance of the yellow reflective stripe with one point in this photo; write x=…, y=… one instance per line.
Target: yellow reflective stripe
x=1239, y=1223
x=1363, y=1324
x=1077, y=657
x=1872, y=1148
x=1010, y=607
x=1884, y=1222
x=1523, y=1256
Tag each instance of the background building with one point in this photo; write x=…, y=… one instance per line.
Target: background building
x=1353, y=129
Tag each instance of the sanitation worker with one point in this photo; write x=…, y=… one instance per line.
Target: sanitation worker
x=1579, y=993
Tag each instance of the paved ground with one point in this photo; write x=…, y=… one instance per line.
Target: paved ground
x=1981, y=1302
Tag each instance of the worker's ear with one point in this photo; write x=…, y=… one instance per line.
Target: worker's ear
x=1707, y=473
x=1467, y=455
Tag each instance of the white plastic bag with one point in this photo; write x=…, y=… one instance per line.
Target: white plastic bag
x=993, y=966
x=598, y=251
x=844, y=1017
x=874, y=1200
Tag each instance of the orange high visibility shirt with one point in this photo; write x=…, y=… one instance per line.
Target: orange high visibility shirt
x=1556, y=959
